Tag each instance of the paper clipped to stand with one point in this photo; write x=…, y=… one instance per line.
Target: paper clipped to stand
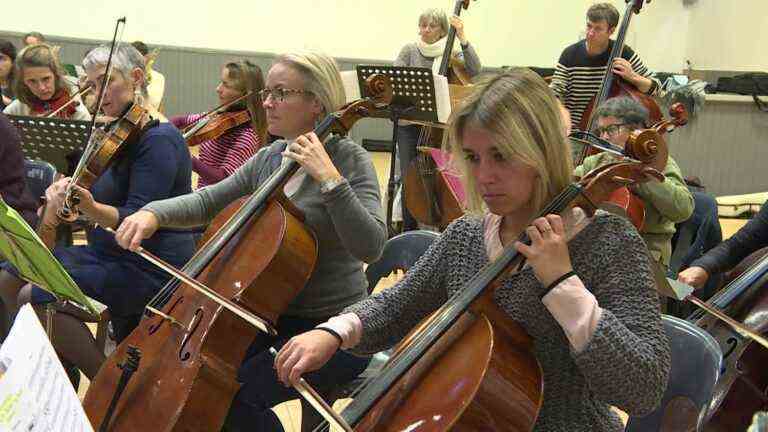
x=35, y=392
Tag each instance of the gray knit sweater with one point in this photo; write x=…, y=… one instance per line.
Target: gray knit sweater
x=626, y=362
x=411, y=56
x=348, y=221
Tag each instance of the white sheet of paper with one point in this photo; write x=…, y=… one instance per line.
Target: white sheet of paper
x=35, y=392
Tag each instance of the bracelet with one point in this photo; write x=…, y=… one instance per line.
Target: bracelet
x=332, y=333
x=557, y=282
x=328, y=185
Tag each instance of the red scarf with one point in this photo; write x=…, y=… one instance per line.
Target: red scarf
x=41, y=108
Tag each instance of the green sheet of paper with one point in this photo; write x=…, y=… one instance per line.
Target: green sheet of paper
x=23, y=248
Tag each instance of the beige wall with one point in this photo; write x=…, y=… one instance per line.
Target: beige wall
x=505, y=32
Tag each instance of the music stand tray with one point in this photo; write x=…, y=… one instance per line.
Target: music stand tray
x=51, y=139
x=20, y=246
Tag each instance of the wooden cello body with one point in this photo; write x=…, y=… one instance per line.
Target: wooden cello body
x=264, y=267
x=742, y=389
x=257, y=257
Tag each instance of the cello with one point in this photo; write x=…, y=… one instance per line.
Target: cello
x=470, y=366
x=429, y=198
x=613, y=86
x=182, y=359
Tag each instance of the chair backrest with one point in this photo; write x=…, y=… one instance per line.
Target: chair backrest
x=38, y=175
x=696, y=365
x=400, y=253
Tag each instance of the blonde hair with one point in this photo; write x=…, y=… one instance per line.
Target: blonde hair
x=520, y=112
x=321, y=78
x=38, y=55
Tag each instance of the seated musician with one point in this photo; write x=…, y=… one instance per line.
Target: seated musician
x=220, y=157
x=156, y=166
x=582, y=66
x=667, y=202
x=427, y=51
x=586, y=296
x=33, y=38
x=7, y=56
x=156, y=80
x=40, y=86
x=750, y=238
x=337, y=190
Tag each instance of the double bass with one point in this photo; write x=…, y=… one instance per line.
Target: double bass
x=429, y=198
x=179, y=366
x=470, y=366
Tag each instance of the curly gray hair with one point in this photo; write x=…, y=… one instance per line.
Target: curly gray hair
x=625, y=108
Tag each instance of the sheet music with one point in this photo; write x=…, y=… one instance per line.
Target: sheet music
x=35, y=392
x=442, y=95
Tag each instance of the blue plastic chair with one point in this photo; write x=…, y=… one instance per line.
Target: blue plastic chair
x=696, y=364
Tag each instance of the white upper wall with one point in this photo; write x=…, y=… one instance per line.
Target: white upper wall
x=505, y=32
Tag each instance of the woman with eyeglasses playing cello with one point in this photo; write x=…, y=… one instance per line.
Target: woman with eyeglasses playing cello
x=337, y=191
x=154, y=166
x=586, y=296
x=231, y=137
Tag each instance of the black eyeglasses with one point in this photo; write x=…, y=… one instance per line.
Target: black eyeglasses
x=279, y=94
x=610, y=130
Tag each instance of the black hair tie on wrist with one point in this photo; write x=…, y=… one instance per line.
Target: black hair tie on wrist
x=557, y=282
x=333, y=333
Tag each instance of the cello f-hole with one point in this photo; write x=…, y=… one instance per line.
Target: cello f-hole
x=732, y=343
x=184, y=355
x=155, y=327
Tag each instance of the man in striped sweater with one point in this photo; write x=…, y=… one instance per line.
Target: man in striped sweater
x=582, y=66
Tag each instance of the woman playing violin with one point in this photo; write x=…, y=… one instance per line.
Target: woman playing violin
x=221, y=156
x=337, y=190
x=40, y=86
x=427, y=51
x=155, y=166
x=586, y=295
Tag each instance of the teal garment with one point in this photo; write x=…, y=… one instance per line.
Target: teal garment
x=666, y=203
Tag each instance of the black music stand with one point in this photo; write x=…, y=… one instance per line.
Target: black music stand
x=413, y=99
x=51, y=139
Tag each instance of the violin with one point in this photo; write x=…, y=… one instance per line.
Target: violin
x=257, y=257
x=613, y=86
x=420, y=390
x=429, y=197
x=71, y=101
x=216, y=122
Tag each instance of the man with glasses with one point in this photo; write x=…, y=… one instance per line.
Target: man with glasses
x=582, y=66
x=667, y=202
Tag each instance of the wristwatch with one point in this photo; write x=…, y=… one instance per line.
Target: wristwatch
x=330, y=184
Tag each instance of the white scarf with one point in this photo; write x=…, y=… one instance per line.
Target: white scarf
x=434, y=50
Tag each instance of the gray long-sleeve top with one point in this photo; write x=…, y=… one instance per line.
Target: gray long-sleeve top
x=411, y=56
x=624, y=364
x=348, y=221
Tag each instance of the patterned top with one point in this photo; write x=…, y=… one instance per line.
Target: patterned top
x=624, y=364
x=222, y=156
x=578, y=76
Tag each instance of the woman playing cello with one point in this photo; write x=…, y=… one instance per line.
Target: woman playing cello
x=153, y=167
x=222, y=155
x=337, y=190
x=586, y=297
x=40, y=87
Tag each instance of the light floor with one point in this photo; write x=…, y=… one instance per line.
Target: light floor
x=290, y=412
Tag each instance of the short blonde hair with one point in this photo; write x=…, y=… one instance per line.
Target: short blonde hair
x=437, y=16
x=37, y=55
x=521, y=113
x=321, y=77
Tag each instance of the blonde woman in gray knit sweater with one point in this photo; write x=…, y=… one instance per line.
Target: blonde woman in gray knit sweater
x=597, y=333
